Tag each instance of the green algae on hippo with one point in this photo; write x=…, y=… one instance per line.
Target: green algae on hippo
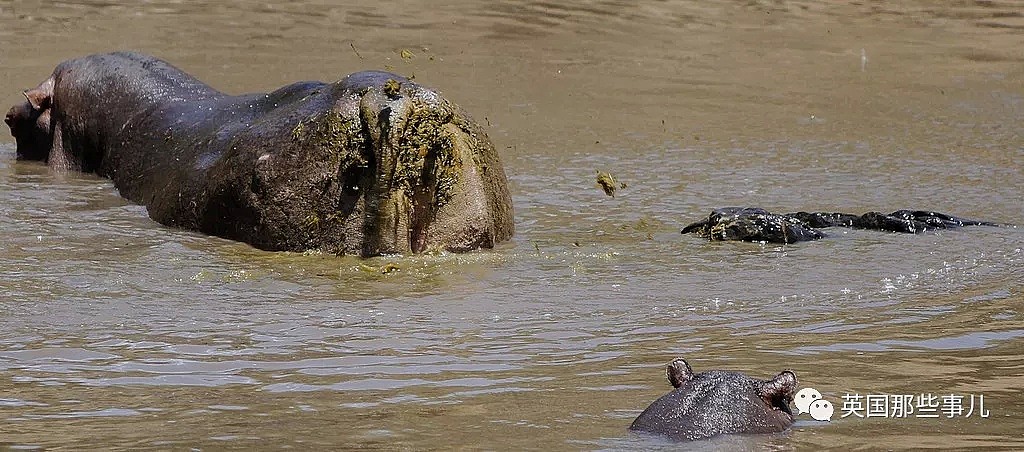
x=752, y=224
x=372, y=164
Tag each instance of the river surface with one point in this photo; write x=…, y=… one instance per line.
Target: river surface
x=118, y=333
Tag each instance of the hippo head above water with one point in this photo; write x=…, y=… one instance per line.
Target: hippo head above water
x=371, y=164
x=718, y=402
x=29, y=122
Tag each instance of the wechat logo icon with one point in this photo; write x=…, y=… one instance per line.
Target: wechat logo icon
x=808, y=400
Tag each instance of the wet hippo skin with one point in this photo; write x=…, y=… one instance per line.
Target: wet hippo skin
x=754, y=224
x=718, y=402
x=372, y=164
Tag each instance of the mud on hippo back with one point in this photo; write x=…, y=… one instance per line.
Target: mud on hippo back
x=717, y=402
x=372, y=164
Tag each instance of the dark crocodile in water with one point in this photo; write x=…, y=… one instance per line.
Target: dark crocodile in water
x=753, y=224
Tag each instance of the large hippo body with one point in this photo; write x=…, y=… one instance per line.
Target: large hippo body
x=372, y=164
x=718, y=402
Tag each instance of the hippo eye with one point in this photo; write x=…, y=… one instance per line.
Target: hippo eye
x=352, y=181
x=354, y=178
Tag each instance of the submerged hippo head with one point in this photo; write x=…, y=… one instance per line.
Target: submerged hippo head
x=437, y=181
x=718, y=402
x=29, y=122
x=392, y=167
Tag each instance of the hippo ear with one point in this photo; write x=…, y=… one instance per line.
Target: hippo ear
x=40, y=96
x=679, y=372
x=783, y=385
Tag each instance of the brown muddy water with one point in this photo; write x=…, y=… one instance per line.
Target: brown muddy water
x=119, y=333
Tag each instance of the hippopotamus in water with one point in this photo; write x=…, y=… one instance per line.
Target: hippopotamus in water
x=718, y=402
x=372, y=164
x=753, y=224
